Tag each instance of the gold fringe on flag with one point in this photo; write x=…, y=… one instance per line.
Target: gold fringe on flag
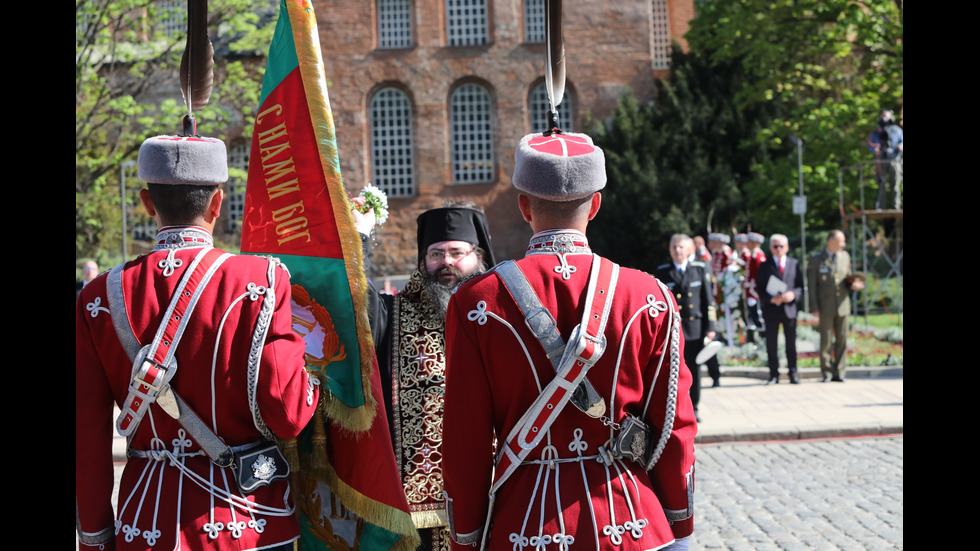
x=303, y=22
x=388, y=518
x=316, y=467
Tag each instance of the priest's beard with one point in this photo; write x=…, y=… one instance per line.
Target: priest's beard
x=438, y=293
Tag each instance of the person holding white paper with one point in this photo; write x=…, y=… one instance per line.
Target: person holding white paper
x=782, y=281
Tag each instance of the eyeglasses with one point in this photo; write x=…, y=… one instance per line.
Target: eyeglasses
x=455, y=255
x=778, y=246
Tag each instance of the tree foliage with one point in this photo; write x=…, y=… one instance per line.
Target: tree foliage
x=679, y=166
x=126, y=89
x=715, y=150
x=832, y=65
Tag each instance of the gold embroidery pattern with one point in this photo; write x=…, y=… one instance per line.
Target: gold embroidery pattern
x=441, y=539
x=418, y=385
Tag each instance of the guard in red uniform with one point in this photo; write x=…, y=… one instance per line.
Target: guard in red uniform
x=196, y=348
x=575, y=365
x=721, y=258
x=754, y=257
x=721, y=261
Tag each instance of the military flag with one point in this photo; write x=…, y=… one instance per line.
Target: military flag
x=296, y=209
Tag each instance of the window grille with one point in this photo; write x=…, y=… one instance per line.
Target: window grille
x=539, y=108
x=394, y=24
x=84, y=21
x=392, y=151
x=534, y=21
x=472, y=135
x=466, y=22
x=172, y=17
x=235, y=188
x=661, y=35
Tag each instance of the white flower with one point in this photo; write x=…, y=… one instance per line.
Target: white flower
x=375, y=199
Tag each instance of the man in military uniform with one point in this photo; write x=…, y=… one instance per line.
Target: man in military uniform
x=754, y=257
x=241, y=377
x=408, y=330
x=692, y=284
x=741, y=246
x=724, y=279
x=740, y=261
x=721, y=258
x=831, y=282
x=519, y=338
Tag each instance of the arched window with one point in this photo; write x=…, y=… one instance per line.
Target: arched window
x=466, y=22
x=392, y=152
x=235, y=188
x=661, y=35
x=394, y=24
x=534, y=21
x=539, y=107
x=471, y=127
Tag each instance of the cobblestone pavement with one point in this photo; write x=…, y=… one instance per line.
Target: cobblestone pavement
x=810, y=495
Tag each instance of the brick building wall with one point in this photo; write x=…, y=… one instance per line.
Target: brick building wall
x=608, y=47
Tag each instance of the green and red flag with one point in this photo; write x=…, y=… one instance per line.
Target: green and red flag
x=296, y=209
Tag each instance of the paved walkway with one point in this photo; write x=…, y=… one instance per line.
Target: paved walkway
x=824, y=494
x=870, y=402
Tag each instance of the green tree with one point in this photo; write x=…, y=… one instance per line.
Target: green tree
x=126, y=89
x=630, y=215
x=715, y=150
x=708, y=146
x=832, y=65
x=680, y=166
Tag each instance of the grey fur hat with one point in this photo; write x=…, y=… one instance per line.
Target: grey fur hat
x=723, y=238
x=183, y=160
x=756, y=237
x=559, y=167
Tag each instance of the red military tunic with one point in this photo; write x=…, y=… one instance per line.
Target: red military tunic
x=744, y=257
x=239, y=366
x=721, y=259
x=495, y=370
x=753, y=259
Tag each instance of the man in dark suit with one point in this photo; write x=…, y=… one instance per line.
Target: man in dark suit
x=89, y=271
x=779, y=304
x=691, y=283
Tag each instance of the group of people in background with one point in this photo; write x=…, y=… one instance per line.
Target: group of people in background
x=758, y=293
